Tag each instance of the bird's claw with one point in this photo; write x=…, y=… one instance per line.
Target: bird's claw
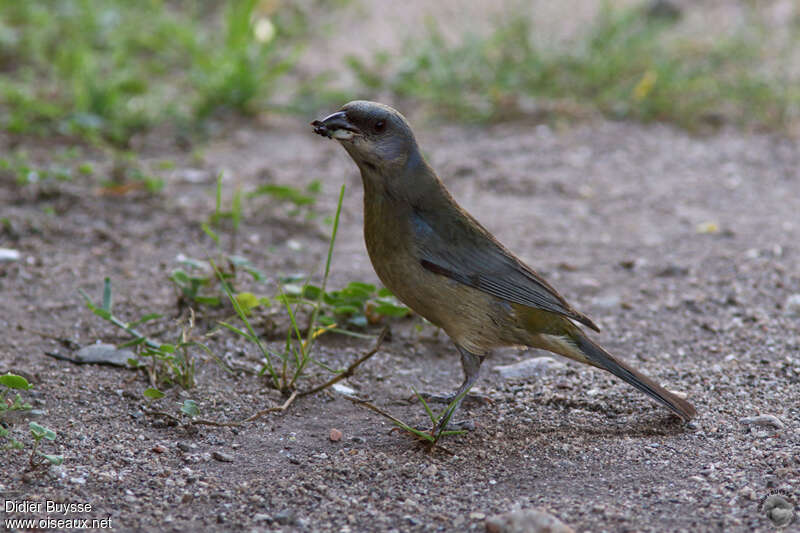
x=448, y=398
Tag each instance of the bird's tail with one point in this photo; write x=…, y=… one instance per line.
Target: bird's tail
x=591, y=353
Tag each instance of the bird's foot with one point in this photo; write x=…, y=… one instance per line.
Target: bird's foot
x=472, y=397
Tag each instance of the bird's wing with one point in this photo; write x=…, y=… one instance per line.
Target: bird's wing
x=482, y=263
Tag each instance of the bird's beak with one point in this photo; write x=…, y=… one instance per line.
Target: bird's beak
x=336, y=126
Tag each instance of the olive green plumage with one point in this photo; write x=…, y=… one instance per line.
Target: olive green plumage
x=438, y=260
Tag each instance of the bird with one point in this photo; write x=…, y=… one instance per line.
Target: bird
x=442, y=263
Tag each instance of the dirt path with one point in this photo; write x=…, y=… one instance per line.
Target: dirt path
x=619, y=217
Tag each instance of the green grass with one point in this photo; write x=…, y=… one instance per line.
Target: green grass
x=108, y=69
x=625, y=65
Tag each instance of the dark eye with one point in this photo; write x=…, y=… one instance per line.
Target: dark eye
x=380, y=126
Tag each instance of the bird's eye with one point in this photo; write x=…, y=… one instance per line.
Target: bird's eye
x=380, y=126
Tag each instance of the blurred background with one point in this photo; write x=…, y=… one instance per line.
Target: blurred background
x=113, y=71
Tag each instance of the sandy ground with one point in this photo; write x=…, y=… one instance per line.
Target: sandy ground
x=610, y=213
x=684, y=250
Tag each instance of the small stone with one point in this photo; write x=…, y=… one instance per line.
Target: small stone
x=763, y=421
x=792, y=305
x=159, y=448
x=707, y=227
x=606, y=301
x=430, y=470
x=104, y=353
x=222, y=456
x=526, y=521
x=528, y=368
x=672, y=270
x=284, y=518
x=475, y=515
x=343, y=389
x=78, y=480
x=8, y=255
x=680, y=394
x=748, y=492
x=335, y=435
x=261, y=517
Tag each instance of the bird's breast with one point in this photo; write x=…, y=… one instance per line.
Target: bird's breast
x=472, y=318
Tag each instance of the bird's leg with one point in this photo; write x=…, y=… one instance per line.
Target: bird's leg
x=471, y=364
x=448, y=398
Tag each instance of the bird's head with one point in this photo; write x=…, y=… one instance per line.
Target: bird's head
x=376, y=136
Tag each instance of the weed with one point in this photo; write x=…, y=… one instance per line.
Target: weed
x=284, y=368
x=625, y=64
x=169, y=362
x=18, y=167
x=9, y=382
x=298, y=198
x=105, y=70
x=37, y=458
x=358, y=304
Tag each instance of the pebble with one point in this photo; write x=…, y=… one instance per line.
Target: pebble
x=284, y=518
x=475, y=515
x=762, y=420
x=528, y=368
x=9, y=254
x=748, y=492
x=526, y=521
x=343, y=389
x=222, y=456
x=792, y=305
x=159, y=448
x=335, y=435
x=430, y=470
x=104, y=353
x=606, y=301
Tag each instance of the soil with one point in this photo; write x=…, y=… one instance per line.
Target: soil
x=683, y=249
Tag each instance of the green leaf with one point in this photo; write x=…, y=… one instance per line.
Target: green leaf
x=133, y=342
x=179, y=276
x=54, y=459
x=311, y=292
x=13, y=381
x=283, y=192
x=368, y=287
x=208, y=231
x=345, y=310
x=146, y=318
x=102, y=313
x=247, y=301
x=190, y=408
x=315, y=187
x=383, y=292
x=256, y=274
x=107, y=295
x=40, y=431
x=392, y=310
x=194, y=263
x=211, y=301
x=152, y=393
x=167, y=348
